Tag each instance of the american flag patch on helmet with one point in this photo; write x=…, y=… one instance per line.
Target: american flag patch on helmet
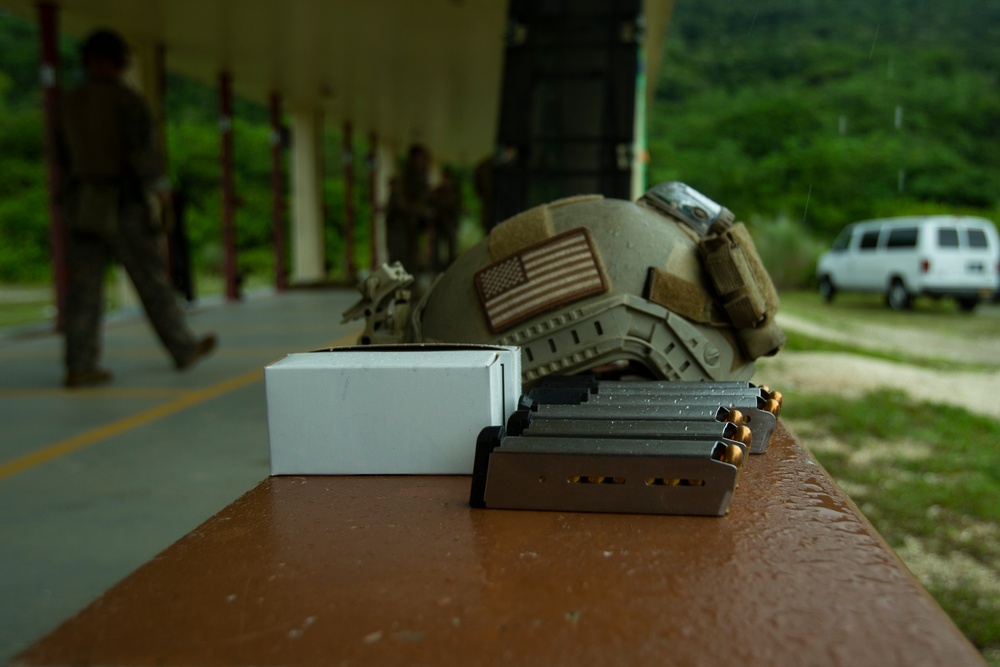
x=539, y=278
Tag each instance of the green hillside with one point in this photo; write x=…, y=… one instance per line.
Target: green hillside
x=826, y=112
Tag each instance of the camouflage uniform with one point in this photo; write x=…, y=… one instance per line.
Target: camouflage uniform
x=111, y=166
x=446, y=204
x=408, y=215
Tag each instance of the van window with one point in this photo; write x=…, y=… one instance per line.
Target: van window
x=902, y=237
x=869, y=240
x=947, y=237
x=842, y=241
x=977, y=238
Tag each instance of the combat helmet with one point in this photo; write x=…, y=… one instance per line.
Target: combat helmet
x=669, y=284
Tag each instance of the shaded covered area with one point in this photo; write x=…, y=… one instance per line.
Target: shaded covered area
x=411, y=71
x=386, y=75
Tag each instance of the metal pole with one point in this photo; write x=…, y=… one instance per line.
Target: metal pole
x=349, y=210
x=49, y=27
x=373, y=203
x=278, y=195
x=228, y=190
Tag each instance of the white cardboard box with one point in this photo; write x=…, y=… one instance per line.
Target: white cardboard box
x=400, y=409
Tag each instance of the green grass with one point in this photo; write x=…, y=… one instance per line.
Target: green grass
x=24, y=313
x=928, y=478
x=926, y=475
x=214, y=285
x=28, y=305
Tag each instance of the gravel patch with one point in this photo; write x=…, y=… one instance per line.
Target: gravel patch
x=854, y=375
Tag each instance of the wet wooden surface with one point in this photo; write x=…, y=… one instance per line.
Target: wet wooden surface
x=400, y=571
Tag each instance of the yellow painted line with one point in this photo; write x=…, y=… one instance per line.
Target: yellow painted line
x=92, y=436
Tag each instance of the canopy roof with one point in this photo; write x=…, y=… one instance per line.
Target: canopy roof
x=411, y=70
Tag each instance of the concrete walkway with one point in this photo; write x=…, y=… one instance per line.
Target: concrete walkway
x=95, y=482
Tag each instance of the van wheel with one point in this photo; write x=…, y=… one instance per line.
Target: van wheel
x=827, y=289
x=967, y=304
x=897, y=297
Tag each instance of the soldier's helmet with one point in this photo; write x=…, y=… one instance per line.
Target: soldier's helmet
x=668, y=284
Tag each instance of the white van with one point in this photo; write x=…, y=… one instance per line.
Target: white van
x=935, y=255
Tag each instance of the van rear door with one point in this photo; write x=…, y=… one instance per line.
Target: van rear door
x=964, y=258
x=947, y=264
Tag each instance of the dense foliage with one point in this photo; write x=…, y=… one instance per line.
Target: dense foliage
x=826, y=112
x=193, y=148
x=800, y=116
x=24, y=255
x=24, y=223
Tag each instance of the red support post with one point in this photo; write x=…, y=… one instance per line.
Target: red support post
x=48, y=20
x=160, y=116
x=278, y=195
x=228, y=188
x=373, y=202
x=349, y=209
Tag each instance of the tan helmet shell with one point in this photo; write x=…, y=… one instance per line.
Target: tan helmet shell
x=618, y=324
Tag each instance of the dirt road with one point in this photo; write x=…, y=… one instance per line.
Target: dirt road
x=844, y=373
